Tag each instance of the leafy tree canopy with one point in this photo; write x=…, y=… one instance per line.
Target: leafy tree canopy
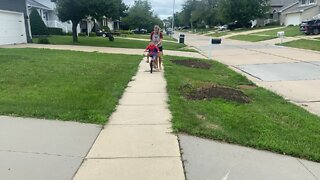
x=76, y=10
x=141, y=16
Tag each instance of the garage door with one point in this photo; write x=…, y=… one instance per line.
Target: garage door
x=12, y=28
x=293, y=19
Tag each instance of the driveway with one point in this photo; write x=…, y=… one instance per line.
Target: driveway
x=43, y=149
x=292, y=73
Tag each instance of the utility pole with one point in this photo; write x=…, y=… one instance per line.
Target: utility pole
x=173, y=16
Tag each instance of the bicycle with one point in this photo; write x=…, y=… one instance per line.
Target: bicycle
x=152, y=62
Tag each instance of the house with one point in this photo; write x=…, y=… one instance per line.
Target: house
x=15, y=26
x=89, y=24
x=276, y=7
x=299, y=11
x=291, y=12
x=47, y=11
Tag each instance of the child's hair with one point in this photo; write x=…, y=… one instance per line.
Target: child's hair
x=151, y=43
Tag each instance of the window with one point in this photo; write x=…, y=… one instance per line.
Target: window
x=303, y=2
x=312, y=1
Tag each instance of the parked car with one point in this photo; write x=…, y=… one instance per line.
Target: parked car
x=141, y=31
x=234, y=25
x=310, y=27
x=222, y=28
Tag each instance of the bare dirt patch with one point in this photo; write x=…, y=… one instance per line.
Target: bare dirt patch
x=193, y=63
x=214, y=91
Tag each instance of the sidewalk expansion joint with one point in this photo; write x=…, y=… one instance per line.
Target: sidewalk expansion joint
x=308, y=169
x=38, y=153
x=142, y=157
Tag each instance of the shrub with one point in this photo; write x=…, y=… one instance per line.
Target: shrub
x=37, y=25
x=126, y=32
x=92, y=34
x=82, y=34
x=105, y=29
x=273, y=24
x=55, y=31
x=43, y=41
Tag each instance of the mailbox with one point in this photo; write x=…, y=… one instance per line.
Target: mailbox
x=215, y=41
x=280, y=33
x=181, y=38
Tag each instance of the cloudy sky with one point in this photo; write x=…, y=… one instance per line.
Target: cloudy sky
x=161, y=7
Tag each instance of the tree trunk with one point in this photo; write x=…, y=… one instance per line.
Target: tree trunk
x=74, y=31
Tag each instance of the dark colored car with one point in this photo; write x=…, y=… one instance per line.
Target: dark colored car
x=310, y=27
x=235, y=25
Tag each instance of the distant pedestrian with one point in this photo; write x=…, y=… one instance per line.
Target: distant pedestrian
x=156, y=37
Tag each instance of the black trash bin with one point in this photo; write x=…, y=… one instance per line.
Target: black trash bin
x=181, y=38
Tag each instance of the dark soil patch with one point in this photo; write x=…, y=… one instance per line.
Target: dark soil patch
x=193, y=63
x=213, y=91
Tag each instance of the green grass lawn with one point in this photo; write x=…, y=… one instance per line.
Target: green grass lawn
x=304, y=44
x=268, y=122
x=64, y=85
x=104, y=42
x=251, y=38
x=219, y=34
x=289, y=31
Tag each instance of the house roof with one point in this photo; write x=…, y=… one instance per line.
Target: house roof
x=300, y=8
x=33, y=3
x=47, y=3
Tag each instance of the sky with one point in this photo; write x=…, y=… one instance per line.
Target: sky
x=163, y=8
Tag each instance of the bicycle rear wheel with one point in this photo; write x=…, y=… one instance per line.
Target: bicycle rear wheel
x=151, y=66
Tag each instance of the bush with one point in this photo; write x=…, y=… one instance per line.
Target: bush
x=55, y=31
x=105, y=29
x=68, y=34
x=126, y=32
x=82, y=34
x=37, y=25
x=92, y=34
x=273, y=24
x=43, y=41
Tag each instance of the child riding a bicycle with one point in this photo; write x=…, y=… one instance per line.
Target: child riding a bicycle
x=153, y=52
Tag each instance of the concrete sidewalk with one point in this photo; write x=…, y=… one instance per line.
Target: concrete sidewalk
x=43, y=149
x=137, y=143
x=211, y=160
x=110, y=50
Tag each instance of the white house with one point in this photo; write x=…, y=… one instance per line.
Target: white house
x=47, y=11
x=14, y=24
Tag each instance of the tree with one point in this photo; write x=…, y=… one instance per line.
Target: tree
x=198, y=13
x=76, y=10
x=242, y=11
x=140, y=16
x=37, y=25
